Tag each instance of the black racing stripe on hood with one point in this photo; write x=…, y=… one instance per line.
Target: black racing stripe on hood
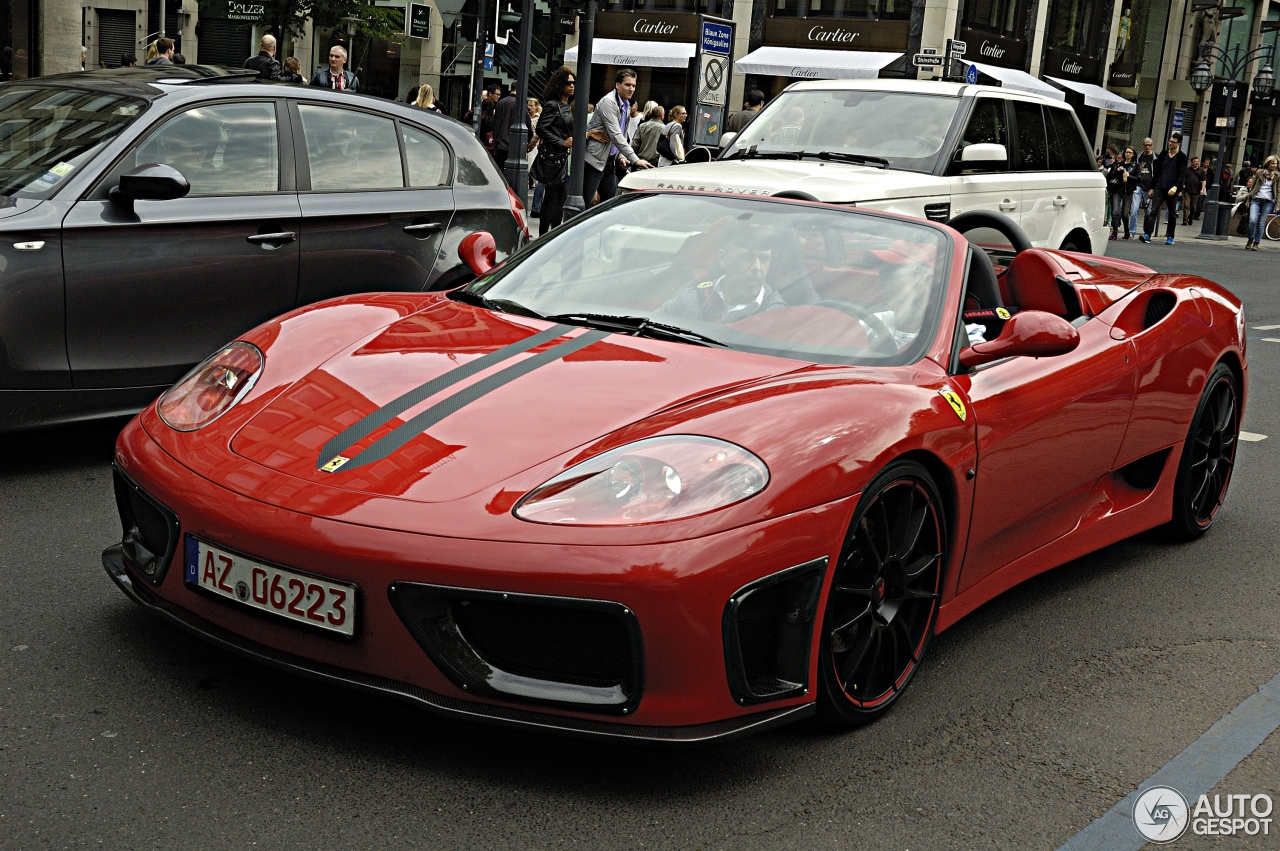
x=402, y=434
x=361, y=429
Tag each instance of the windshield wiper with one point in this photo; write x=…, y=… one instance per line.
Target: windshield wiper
x=502, y=304
x=842, y=157
x=753, y=153
x=637, y=326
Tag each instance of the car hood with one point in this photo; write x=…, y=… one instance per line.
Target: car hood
x=493, y=395
x=825, y=181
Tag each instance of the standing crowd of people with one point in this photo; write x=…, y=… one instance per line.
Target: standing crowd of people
x=1169, y=182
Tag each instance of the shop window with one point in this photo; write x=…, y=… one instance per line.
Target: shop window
x=993, y=16
x=1074, y=26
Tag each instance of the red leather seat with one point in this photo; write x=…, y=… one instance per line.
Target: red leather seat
x=1031, y=283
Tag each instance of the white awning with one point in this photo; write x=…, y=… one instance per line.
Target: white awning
x=626, y=51
x=808, y=63
x=1098, y=97
x=1012, y=78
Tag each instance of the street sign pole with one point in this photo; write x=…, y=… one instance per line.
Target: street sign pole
x=574, y=202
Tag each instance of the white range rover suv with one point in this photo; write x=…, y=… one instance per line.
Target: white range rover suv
x=926, y=149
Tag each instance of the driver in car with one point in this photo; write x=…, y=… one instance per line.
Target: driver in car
x=739, y=292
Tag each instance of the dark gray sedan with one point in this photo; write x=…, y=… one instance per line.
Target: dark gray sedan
x=147, y=215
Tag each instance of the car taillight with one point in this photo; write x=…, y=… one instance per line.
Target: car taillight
x=517, y=210
x=212, y=388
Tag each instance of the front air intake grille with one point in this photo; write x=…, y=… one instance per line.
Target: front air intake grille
x=768, y=629
x=582, y=654
x=150, y=530
x=1158, y=307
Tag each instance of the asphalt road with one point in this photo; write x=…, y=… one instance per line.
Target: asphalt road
x=1030, y=719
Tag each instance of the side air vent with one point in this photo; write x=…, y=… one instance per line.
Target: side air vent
x=1144, y=474
x=1158, y=307
x=938, y=212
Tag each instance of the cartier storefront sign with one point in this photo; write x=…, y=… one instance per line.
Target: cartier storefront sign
x=1123, y=75
x=648, y=26
x=836, y=33
x=1070, y=66
x=993, y=50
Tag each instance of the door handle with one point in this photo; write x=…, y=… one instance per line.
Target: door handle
x=429, y=227
x=284, y=236
x=1006, y=204
x=1059, y=201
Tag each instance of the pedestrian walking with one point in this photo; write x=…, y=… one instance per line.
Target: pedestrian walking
x=265, y=63
x=612, y=113
x=291, y=71
x=1168, y=177
x=753, y=104
x=426, y=99
x=1120, y=179
x=1140, y=201
x=335, y=76
x=650, y=130
x=1262, y=199
x=1195, y=188
x=555, y=139
x=671, y=143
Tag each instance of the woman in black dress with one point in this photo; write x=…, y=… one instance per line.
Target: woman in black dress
x=555, y=133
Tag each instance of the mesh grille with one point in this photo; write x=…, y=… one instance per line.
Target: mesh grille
x=1157, y=308
x=150, y=531
x=768, y=627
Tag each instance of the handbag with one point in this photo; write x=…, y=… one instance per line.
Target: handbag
x=664, y=146
x=550, y=169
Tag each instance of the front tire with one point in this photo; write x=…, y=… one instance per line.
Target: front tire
x=1208, y=457
x=884, y=596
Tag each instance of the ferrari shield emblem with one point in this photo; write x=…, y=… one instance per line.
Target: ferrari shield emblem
x=954, y=400
x=1003, y=314
x=337, y=461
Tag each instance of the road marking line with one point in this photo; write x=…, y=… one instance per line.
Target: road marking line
x=1194, y=772
x=1251, y=437
x=1265, y=327
x=1270, y=340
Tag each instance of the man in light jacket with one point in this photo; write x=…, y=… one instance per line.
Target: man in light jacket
x=611, y=117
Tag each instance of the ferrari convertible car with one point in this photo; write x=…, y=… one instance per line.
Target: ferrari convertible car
x=688, y=467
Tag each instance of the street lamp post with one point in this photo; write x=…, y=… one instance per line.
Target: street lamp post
x=1235, y=61
x=518, y=134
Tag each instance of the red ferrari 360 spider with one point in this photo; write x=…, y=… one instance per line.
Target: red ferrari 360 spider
x=690, y=466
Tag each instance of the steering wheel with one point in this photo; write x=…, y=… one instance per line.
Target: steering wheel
x=999, y=222
x=879, y=338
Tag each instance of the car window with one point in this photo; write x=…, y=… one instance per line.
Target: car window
x=1033, y=143
x=1071, y=148
x=906, y=129
x=427, y=158
x=350, y=150
x=46, y=135
x=221, y=149
x=988, y=124
x=811, y=284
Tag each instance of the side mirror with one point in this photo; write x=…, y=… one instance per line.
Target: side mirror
x=479, y=251
x=1031, y=333
x=150, y=182
x=726, y=138
x=983, y=152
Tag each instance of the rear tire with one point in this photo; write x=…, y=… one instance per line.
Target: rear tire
x=884, y=597
x=1208, y=457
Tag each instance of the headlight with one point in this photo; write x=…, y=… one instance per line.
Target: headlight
x=212, y=388
x=649, y=481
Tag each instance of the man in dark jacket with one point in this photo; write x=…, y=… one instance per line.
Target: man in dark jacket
x=753, y=104
x=1195, y=187
x=1140, y=191
x=1168, y=179
x=265, y=63
x=335, y=76
x=503, y=115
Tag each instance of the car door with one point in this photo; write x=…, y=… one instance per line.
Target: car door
x=375, y=201
x=1039, y=203
x=1048, y=429
x=153, y=287
x=986, y=186
x=1074, y=177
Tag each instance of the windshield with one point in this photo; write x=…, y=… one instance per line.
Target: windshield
x=816, y=284
x=902, y=130
x=46, y=134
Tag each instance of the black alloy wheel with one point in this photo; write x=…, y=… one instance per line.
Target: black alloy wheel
x=884, y=596
x=1208, y=457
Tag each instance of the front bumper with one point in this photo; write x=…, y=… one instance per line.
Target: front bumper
x=682, y=597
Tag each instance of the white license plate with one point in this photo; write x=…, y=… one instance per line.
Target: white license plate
x=297, y=597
